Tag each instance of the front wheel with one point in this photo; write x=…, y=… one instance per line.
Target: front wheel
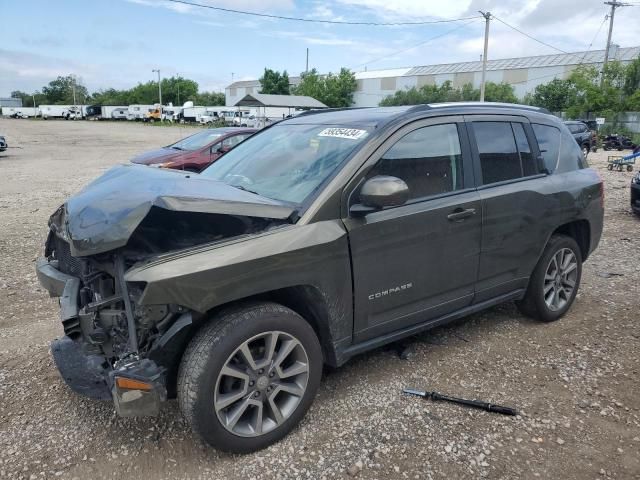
x=248, y=377
x=555, y=280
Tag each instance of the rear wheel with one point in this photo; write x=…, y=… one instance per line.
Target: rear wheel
x=555, y=280
x=249, y=376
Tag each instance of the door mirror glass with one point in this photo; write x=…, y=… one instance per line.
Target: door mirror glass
x=383, y=191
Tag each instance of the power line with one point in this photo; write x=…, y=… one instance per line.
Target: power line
x=430, y=39
x=314, y=20
x=593, y=40
x=529, y=36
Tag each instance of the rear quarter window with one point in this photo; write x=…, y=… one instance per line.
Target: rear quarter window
x=549, y=142
x=571, y=157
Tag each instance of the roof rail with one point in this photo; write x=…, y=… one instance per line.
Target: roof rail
x=323, y=110
x=517, y=106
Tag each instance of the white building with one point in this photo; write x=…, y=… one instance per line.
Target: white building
x=523, y=73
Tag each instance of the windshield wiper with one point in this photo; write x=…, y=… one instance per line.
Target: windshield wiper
x=176, y=148
x=244, y=189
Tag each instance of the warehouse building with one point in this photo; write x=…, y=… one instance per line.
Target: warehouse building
x=524, y=73
x=10, y=102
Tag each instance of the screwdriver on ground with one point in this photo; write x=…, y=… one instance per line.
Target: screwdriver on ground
x=489, y=407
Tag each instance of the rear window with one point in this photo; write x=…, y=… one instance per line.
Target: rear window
x=549, y=142
x=504, y=151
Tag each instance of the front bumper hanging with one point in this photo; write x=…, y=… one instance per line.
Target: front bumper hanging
x=137, y=387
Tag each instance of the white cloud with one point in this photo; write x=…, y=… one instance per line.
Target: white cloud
x=257, y=6
x=411, y=9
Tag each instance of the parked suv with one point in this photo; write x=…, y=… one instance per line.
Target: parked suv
x=584, y=137
x=318, y=238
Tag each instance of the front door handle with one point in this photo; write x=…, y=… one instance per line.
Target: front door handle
x=460, y=214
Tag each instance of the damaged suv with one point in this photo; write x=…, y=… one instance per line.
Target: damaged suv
x=318, y=238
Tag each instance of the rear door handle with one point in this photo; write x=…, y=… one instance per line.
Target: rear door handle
x=460, y=214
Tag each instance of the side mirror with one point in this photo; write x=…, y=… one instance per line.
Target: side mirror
x=380, y=192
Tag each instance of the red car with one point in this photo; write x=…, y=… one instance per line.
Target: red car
x=196, y=152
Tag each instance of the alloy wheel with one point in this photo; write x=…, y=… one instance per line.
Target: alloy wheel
x=261, y=384
x=560, y=279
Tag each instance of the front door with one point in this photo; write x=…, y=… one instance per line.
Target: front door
x=418, y=261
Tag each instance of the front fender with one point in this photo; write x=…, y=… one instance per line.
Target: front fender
x=209, y=276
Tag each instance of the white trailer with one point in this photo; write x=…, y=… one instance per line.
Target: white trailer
x=193, y=114
x=139, y=112
x=20, y=112
x=63, y=111
x=113, y=112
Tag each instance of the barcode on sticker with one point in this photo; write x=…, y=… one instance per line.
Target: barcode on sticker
x=350, y=133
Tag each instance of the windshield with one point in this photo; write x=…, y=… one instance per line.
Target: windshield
x=197, y=141
x=287, y=162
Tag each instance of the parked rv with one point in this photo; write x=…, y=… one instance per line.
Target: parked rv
x=115, y=112
x=138, y=112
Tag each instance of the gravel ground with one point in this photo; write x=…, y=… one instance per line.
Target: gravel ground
x=576, y=381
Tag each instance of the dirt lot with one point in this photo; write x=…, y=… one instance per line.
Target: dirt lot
x=577, y=381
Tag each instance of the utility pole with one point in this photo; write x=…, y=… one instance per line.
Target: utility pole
x=73, y=89
x=614, y=4
x=159, y=86
x=487, y=19
x=178, y=85
x=306, y=70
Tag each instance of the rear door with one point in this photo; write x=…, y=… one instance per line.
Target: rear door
x=418, y=261
x=512, y=188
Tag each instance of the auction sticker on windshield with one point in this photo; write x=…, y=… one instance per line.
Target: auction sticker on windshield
x=350, y=133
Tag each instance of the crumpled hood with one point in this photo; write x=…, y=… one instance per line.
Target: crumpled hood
x=103, y=215
x=160, y=155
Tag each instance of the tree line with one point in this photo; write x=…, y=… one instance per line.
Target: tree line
x=175, y=90
x=334, y=90
x=586, y=91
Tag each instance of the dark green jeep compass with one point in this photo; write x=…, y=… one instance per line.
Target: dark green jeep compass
x=318, y=238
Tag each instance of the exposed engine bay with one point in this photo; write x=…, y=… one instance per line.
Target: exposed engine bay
x=106, y=302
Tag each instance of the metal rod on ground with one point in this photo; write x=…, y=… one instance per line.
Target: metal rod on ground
x=487, y=18
x=614, y=4
x=488, y=407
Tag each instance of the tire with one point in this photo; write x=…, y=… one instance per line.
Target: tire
x=585, y=150
x=534, y=304
x=629, y=168
x=202, y=384
x=610, y=166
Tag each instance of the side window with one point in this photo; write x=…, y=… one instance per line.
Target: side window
x=549, y=142
x=527, y=161
x=499, y=157
x=428, y=159
x=215, y=147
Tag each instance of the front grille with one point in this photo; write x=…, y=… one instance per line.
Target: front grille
x=66, y=262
